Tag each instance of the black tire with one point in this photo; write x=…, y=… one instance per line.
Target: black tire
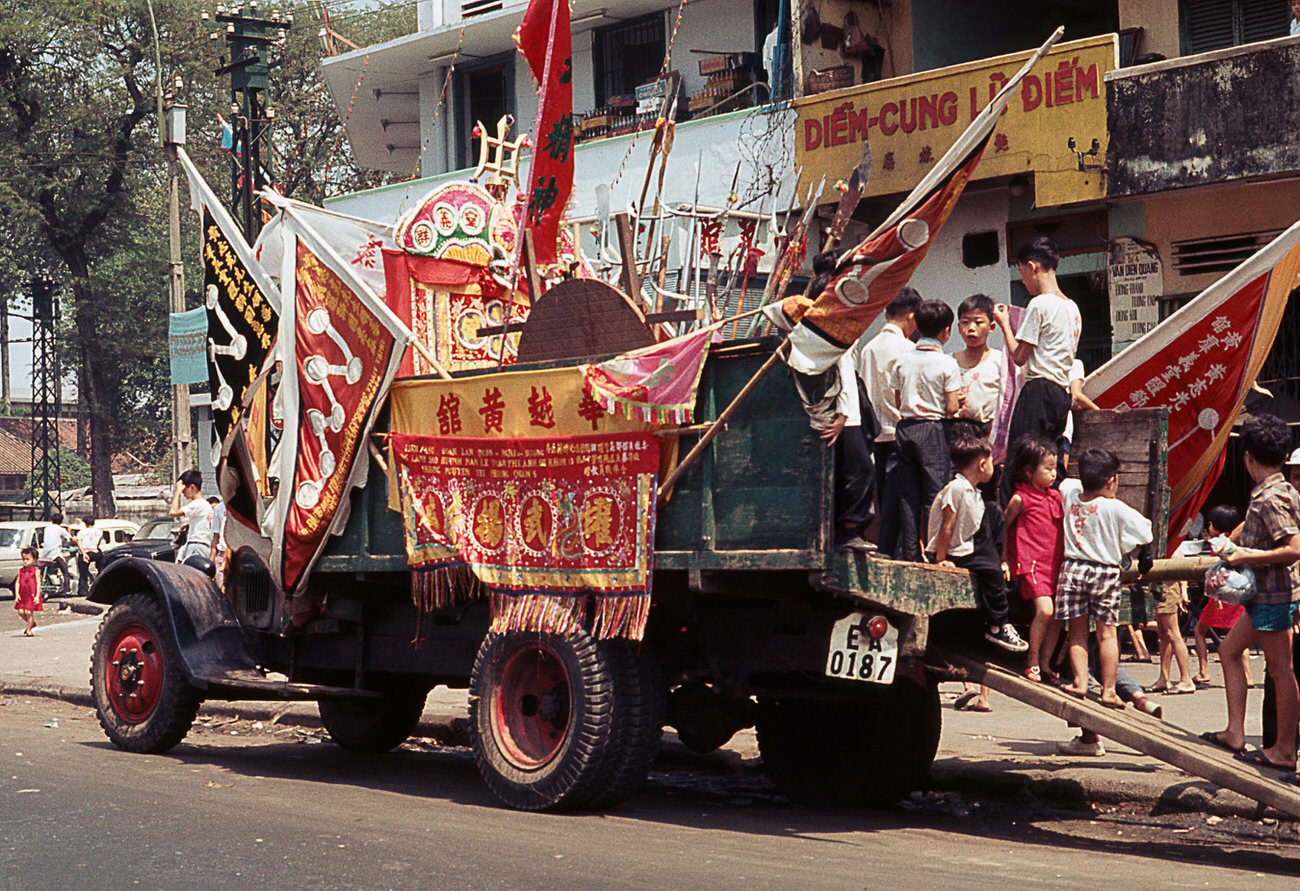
x=638, y=718
x=144, y=702
x=373, y=725
x=540, y=715
x=872, y=749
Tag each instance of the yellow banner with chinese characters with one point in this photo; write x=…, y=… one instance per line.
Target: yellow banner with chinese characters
x=912, y=120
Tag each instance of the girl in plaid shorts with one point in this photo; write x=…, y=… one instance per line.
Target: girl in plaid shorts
x=1099, y=530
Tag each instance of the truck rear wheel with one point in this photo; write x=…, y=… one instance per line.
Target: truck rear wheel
x=872, y=749
x=142, y=698
x=373, y=725
x=541, y=715
x=638, y=721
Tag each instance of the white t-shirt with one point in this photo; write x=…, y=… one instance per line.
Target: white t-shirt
x=89, y=538
x=875, y=359
x=1052, y=324
x=219, y=525
x=1076, y=374
x=982, y=384
x=968, y=511
x=922, y=379
x=53, y=537
x=1102, y=530
x=847, y=402
x=198, y=513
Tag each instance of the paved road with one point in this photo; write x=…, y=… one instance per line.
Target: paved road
x=255, y=808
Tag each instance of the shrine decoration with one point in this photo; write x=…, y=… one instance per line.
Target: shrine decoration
x=520, y=487
x=1201, y=362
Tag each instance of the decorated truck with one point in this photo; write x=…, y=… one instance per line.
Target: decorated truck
x=451, y=454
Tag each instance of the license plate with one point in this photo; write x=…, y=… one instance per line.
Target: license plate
x=855, y=655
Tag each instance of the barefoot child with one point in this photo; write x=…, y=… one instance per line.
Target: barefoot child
x=1099, y=530
x=965, y=531
x=27, y=590
x=1034, y=545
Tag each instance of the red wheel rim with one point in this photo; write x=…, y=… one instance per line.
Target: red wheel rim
x=134, y=674
x=530, y=712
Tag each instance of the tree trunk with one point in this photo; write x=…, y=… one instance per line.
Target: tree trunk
x=94, y=397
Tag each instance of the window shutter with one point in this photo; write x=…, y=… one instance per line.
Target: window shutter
x=1207, y=25
x=1264, y=19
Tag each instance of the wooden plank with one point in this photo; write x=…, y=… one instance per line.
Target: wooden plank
x=1165, y=742
x=628, y=280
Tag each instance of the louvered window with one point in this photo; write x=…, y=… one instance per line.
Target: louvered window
x=1205, y=255
x=1218, y=24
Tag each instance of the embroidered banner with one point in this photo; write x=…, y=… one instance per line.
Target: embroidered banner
x=187, y=345
x=539, y=522
x=656, y=383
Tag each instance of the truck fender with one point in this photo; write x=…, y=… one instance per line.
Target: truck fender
x=208, y=635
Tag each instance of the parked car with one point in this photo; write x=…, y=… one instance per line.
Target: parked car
x=14, y=536
x=113, y=532
x=157, y=539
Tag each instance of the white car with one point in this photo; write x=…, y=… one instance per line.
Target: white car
x=19, y=534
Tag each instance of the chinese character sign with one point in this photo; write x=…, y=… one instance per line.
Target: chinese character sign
x=545, y=40
x=1200, y=362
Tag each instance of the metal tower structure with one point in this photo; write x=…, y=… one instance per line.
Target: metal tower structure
x=46, y=479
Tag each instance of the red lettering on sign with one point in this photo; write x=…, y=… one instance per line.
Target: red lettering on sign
x=948, y=108
x=812, y=133
x=890, y=127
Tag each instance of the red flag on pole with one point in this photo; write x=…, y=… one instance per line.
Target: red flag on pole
x=545, y=41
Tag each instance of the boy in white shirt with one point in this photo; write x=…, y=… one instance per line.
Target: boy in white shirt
x=1099, y=530
x=980, y=365
x=197, y=513
x=1045, y=344
x=966, y=531
x=88, y=541
x=875, y=358
x=926, y=384
x=53, y=539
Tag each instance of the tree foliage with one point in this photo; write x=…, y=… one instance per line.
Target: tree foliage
x=84, y=197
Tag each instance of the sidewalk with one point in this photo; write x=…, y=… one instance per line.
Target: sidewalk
x=1008, y=752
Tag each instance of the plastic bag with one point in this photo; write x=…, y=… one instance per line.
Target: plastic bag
x=1233, y=585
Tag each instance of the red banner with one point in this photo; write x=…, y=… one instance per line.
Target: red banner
x=545, y=40
x=536, y=518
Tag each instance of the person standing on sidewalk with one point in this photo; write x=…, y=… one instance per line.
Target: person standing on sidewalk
x=88, y=541
x=1268, y=541
x=27, y=591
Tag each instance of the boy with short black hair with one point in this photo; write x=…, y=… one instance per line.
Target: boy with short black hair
x=927, y=386
x=1045, y=344
x=966, y=531
x=980, y=365
x=1268, y=540
x=1099, y=531
x=197, y=513
x=875, y=359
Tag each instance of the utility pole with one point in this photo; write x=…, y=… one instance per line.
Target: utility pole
x=249, y=40
x=45, y=480
x=173, y=138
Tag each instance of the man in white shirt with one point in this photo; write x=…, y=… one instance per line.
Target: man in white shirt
x=88, y=541
x=1045, y=344
x=53, y=539
x=188, y=502
x=875, y=359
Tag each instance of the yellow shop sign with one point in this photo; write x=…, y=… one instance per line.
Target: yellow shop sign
x=911, y=121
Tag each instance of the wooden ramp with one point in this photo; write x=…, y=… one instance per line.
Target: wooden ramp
x=1137, y=730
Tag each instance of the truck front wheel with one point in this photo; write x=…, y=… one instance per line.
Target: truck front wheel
x=144, y=702
x=373, y=725
x=871, y=749
x=540, y=711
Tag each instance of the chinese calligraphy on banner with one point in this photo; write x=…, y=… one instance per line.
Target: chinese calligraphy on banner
x=526, y=481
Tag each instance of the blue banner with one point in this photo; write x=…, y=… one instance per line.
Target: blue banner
x=187, y=341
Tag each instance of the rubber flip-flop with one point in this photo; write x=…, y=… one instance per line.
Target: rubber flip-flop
x=1176, y=691
x=1257, y=758
x=1114, y=705
x=964, y=700
x=1156, y=688
x=1212, y=737
x=980, y=708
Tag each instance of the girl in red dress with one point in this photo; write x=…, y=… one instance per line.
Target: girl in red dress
x=1034, y=545
x=27, y=591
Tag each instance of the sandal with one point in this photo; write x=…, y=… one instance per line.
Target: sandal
x=1034, y=673
x=1212, y=737
x=1257, y=758
x=1156, y=688
x=963, y=701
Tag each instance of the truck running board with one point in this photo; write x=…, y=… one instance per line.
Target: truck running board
x=1166, y=742
x=239, y=683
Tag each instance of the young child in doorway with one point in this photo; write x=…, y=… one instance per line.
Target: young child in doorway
x=1034, y=548
x=1099, y=531
x=927, y=387
x=27, y=591
x=1219, y=520
x=966, y=531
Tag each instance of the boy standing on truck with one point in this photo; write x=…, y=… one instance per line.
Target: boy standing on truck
x=875, y=359
x=1045, y=344
x=927, y=387
x=1099, y=531
x=966, y=531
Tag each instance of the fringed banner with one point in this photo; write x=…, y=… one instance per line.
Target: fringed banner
x=543, y=525
x=654, y=384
